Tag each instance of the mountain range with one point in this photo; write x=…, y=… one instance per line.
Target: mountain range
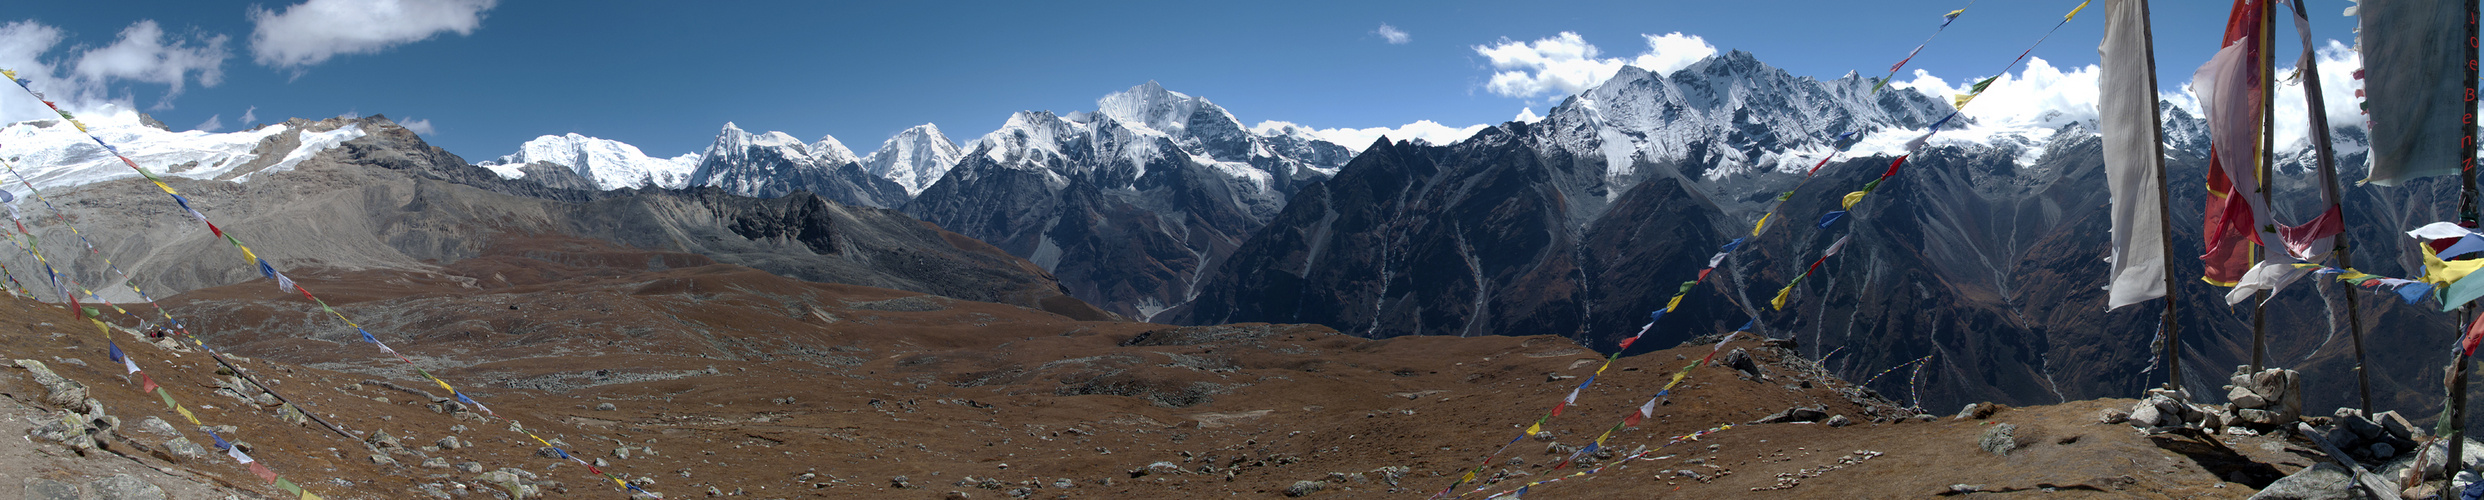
x=1984, y=255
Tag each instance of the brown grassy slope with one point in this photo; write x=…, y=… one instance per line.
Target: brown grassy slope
x=730, y=378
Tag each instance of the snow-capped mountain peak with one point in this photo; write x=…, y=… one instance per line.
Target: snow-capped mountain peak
x=915, y=158
x=1733, y=112
x=52, y=154
x=827, y=151
x=1150, y=106
x=609, y=164
x=773, y=164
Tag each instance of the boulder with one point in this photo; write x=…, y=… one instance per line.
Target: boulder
x=157, y=426
x=2244, y=398
x=1839, y=421
x=2396, y=425
x=123, y=487
x=1795, y=414
x=2146, y=415
x=180, y=449
x=1304, y=488
x=63, y=392
x=2111, y=416
x=2321, y=481
x=2363, y=428
x=1741, y=361
x=2000, y=439
x=46, y=489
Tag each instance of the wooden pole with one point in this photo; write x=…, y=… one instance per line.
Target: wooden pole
x=2164, y=214
x=2466, y=217
x=2331, y=192
x=2268, y=126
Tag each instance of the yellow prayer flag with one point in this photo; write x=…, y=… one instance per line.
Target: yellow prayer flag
x=443, y=384
x=1781, y=296
x=1532, y=429
x=167, y=189
x=11, y=74
x=1961, y=100
x=1608, y=363
x=102, y=328
x=247, y=255
x=2351, y=274
x=2074, y=12
x=1670, y=304
x=1763, y=222
x=2443, y=273
x=186, y=415
x=1853, y=198
x=1470, y=477
x=307, y=495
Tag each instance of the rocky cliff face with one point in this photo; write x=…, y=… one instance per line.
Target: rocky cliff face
x=1128, y=204
x=774, y=164
x=1985, y=254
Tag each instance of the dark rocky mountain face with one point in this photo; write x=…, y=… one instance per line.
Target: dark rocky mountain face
x=1129, y=204
x=773, y=164
x=389, y=201
x=1987, y=261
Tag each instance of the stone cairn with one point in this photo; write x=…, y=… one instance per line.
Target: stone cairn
x=2257, y=402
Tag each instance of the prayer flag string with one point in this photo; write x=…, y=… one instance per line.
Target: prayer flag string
x=252, y=259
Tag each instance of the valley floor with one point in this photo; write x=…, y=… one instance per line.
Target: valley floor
x=1025, y=404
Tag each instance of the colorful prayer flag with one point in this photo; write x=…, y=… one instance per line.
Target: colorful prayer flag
x=1830, y=218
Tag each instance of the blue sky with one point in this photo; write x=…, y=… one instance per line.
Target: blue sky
x=485, y=75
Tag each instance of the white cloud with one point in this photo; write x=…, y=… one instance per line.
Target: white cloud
x=141, y=54
x=250, y=116
x=1671, y=52
x=2042, y=98
x=316, y=30
x=1358, y=138
x=418, y=126
x=78, y=81
x=1567, y=64
x=1393, y=35
x=213, y=123
x=22, y=45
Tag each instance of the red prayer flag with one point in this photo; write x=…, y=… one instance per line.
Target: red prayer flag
x=146, y=383
x=1558, y=406
x=211, y=227
x=2229, y=219
x=2475, y=334
x=1893, y=167
x=264, y=474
